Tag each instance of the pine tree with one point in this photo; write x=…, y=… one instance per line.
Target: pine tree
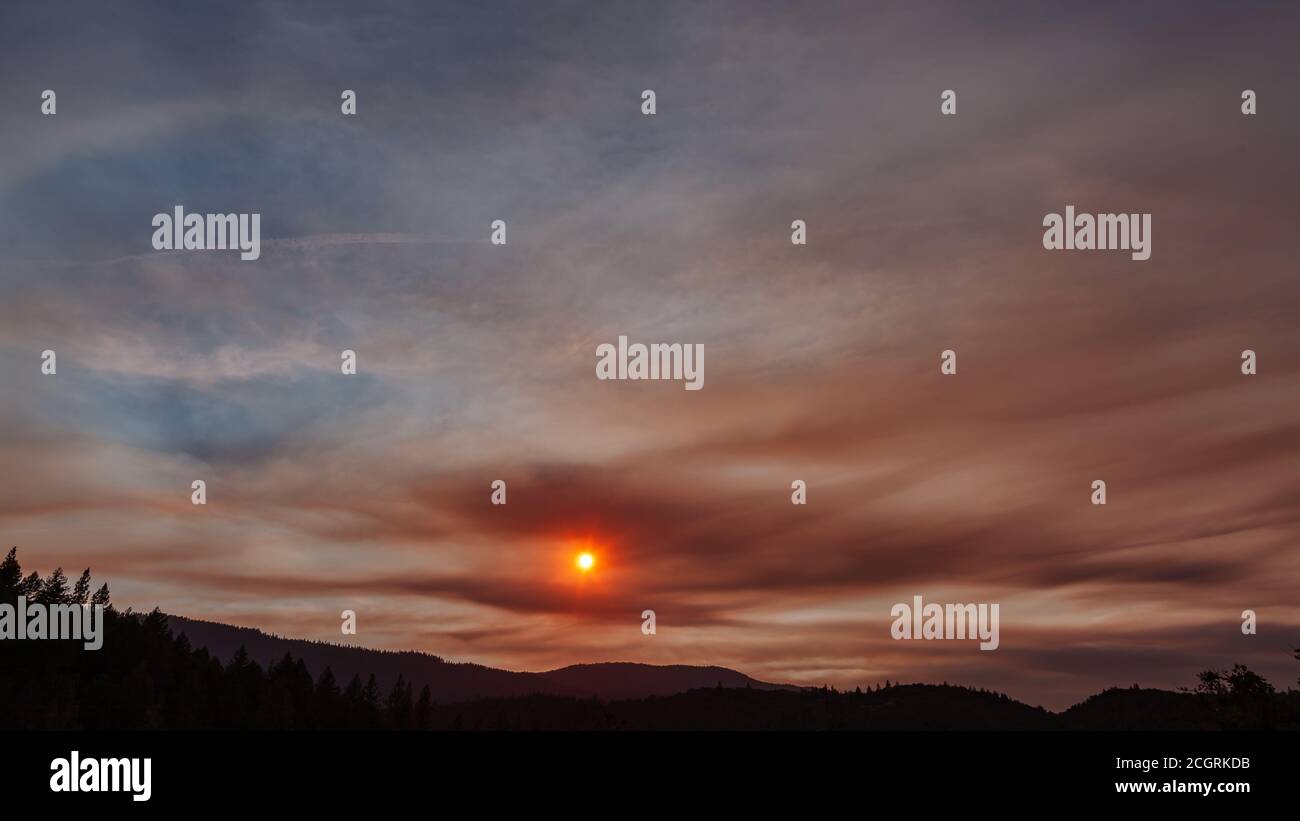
x=81, y=590
x=11, y=575
x=353, y=693
x=423, y=719
x=156, y=623
x=326, y=685
x=370, y=703
x=30, y=586
x=101, y=597
x=55, y=589
x=397, y=706
x=328, y=710
x=352, y=707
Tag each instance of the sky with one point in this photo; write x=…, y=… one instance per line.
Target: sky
x=476, y=362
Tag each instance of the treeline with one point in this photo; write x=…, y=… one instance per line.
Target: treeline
x=53, y=590
x=147, y=678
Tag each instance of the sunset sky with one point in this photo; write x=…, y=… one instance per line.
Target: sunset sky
x=477, y=362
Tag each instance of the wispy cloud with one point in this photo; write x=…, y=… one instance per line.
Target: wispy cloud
x=476, y=361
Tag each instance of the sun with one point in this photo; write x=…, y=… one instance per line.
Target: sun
x=585, y=561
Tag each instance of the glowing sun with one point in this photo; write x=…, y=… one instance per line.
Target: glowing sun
x=585, y=561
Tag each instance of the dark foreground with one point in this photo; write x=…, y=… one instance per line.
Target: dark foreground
x=148, y=676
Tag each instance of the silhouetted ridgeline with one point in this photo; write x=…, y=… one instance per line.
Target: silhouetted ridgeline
x=151, y=675
x=449, y=681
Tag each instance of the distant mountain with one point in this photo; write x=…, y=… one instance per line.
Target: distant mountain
x=615, y=680
x=455, y=682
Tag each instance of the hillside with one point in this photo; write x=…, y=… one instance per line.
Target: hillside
x=906, y=707
x=453, y=682
x=615, y=680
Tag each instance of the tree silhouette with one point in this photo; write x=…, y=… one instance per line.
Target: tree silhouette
x=353, y=712
x=30, y=586
x=147, y=677
x=370, y=703
x=11, y=575
x=55, y=589
x=1240, y=682
x=397, y=705
x=81, y=590
x=423, y=710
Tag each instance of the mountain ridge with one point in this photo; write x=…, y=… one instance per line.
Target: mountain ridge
x=451, y=681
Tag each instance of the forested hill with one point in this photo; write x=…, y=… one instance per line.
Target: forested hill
x=451, y=682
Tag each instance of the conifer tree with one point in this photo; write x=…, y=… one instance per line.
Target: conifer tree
x=423, y=718
x=327, y=701
x=81, y=590
x=102, y=597
x=397, y=706
x=370, y=705
x=11, y=575
x=353, y=709
x=30, y=586
x=55, y=589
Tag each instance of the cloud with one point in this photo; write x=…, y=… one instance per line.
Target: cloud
x=476, y=362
